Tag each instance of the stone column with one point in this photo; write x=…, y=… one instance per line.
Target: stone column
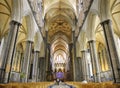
x=43, y=71
x=2, y=59
x=94, y=59
x=75, y=60
x=112, y=49
x=81, y=69
x=71, y=62
x=85, y=65
x=9, y=50
x=46, y=50
x=3, y=50
x=77, y=69
x=26, y=61
x=49, y=63
x=35, y=66
x=40, y=69
x=1, y=47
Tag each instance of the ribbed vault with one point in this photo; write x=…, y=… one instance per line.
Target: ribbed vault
x=60, y=17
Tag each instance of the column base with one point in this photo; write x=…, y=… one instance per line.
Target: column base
x=117, y=80
x=5, y=80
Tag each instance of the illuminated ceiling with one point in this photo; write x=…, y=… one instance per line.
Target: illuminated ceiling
x=59, y=26
x=61, y=17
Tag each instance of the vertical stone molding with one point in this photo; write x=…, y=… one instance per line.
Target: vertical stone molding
x=41, y=67
x=85, y=66
x=71, y=62
x=112, y=49
x=77, y=69
x=94, y=59
x=35, y=66
x=49, y=62
x=2, y=42
x=26, y=60
x=3, y=50
x=9, y=49
x=43, y=71
x=80, y=69
x=46, y=49
x=74, y=60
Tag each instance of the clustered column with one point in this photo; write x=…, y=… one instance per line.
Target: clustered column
x=49, y=63
x=80, y=69
x=85, y=66
x=71, y=62
x=46, y=51
x=41, y=69
x=9, y=50
x=35, y=66
x=26, y=61
x=75, y=60
x=94, y=59
x=112, y=49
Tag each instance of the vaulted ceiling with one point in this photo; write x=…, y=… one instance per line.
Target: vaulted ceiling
x=60, y=17
x=5, y=12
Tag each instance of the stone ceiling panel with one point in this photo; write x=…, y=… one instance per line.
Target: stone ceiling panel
x=59, y=25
